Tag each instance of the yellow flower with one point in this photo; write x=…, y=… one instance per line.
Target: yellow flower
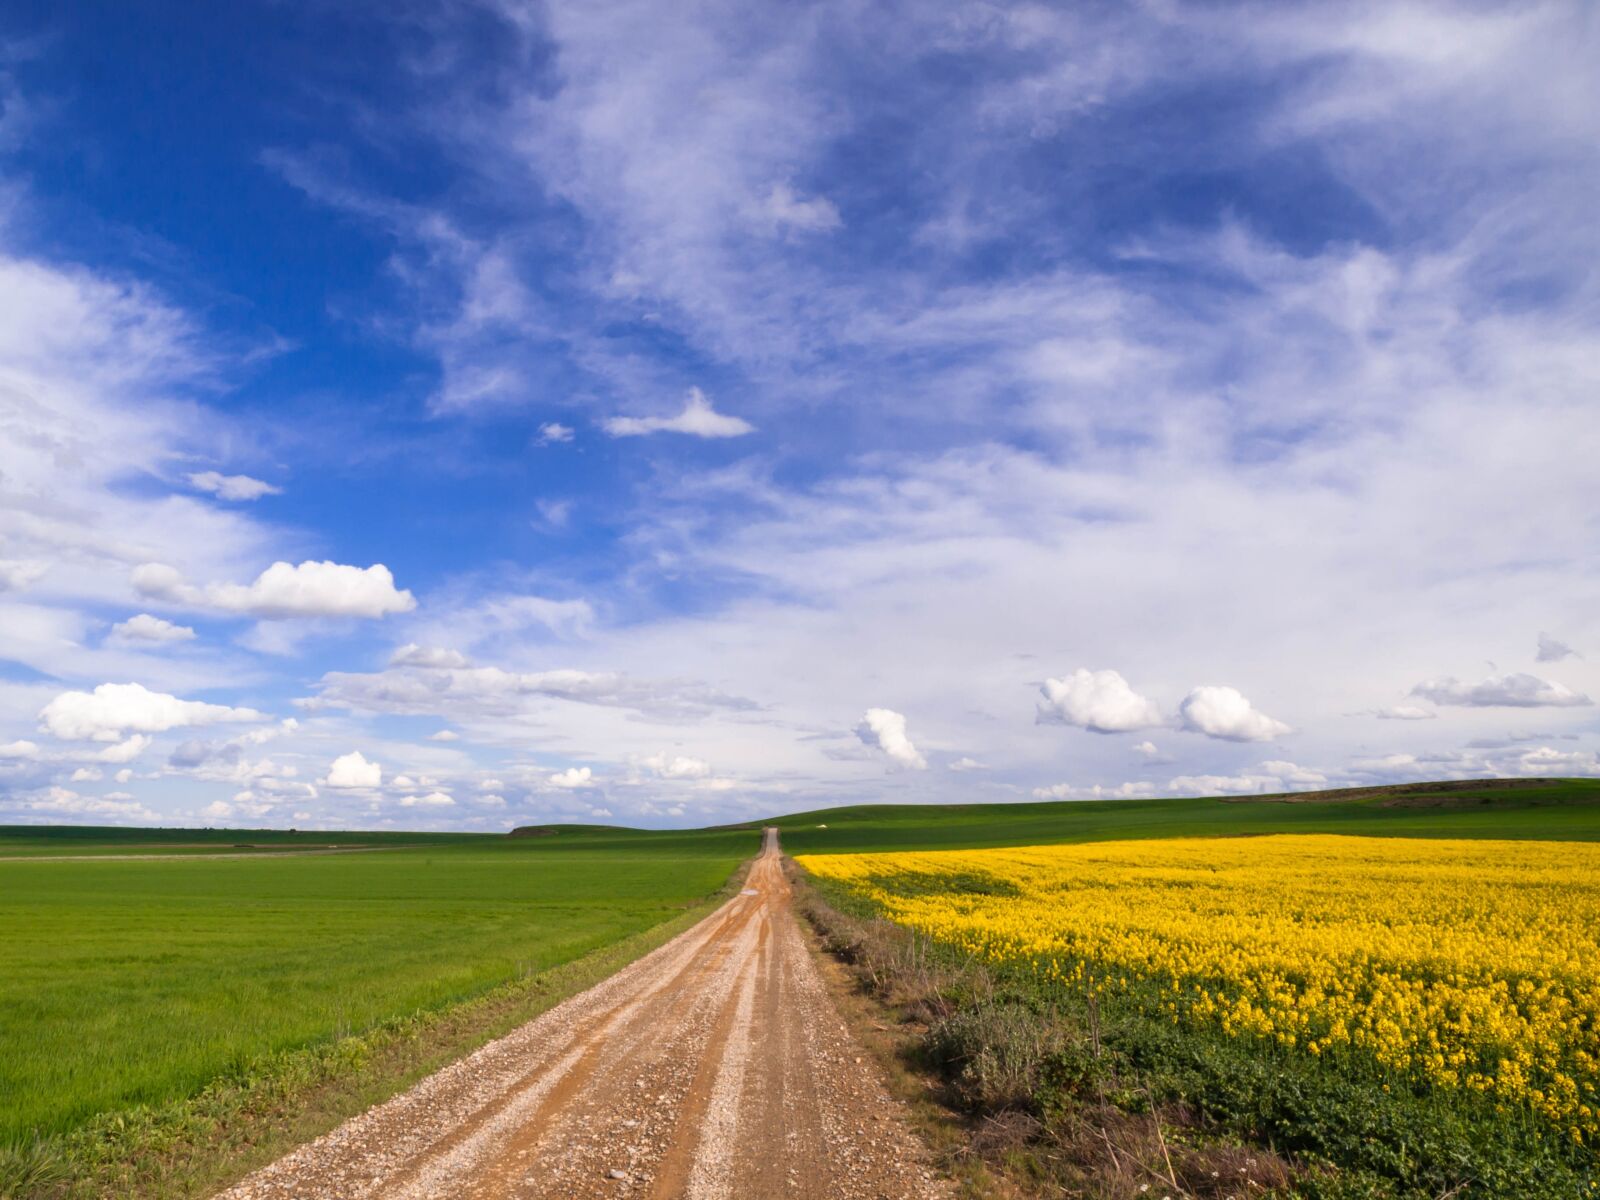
x=1458, y=964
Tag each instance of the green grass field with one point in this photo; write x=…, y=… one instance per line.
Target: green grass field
x=138, y=982
x=73, y=841
x=1558, y=810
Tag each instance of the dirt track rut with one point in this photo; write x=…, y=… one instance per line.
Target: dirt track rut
x=715, y=1067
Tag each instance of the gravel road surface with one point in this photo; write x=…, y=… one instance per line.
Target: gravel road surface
x=716, y=1066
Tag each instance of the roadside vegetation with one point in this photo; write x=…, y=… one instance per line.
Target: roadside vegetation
x=158, y=1016
x=1318, y=1016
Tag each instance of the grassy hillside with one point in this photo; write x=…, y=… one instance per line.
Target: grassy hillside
x=136, y=982
x=72, y=840
x=1560, y=809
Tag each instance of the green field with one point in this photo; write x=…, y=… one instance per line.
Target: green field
x=1558, y=810
x=74, y=841
x=134, y=984
x=138, y=982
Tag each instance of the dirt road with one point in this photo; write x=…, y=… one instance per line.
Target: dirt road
x=715, y=1067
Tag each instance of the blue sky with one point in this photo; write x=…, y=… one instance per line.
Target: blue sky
x=466, y=414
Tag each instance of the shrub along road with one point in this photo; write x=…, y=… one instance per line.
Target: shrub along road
x=716, y=1066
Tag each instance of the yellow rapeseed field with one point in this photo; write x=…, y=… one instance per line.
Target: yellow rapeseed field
x=1461, y=964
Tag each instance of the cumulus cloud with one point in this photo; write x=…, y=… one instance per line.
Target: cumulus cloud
x=431, y=800
x=16, y=574
x=1514, y=690
x=787, y=210
x=572, y=777
x=678, y=766
x=232, y=487
x=1405, y=712
x=1223, y=712
x=554, y=513
x=968, y=764
x=1100, y=701
x=884, y=730
x=114, y=709
x=312, y=589
x=698, y=419
x=1553, y=650
x=1269, y=777
x=146, y=628
x=19, y=749
x=428, y=657
x=353, y=771
x=128, y=749
x=63, y=802
x=1546, y=760
x=554, y=432
x=444, y=735
x=1122, y=791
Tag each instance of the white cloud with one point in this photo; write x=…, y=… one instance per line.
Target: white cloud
x=787, y=210
x=431, y=800
x=63, y=802
x=1290, y=772
x=1270, y=777
x=553, y=432
x=491, y=800
x=1514, y=690
x=572, y=777
x=86, y=775
x=601, y=813
x=353, y=771
x=444, y=735
x=968, y=764
x=113, y=709
x=1405, y=712
x=678, y=766
x=1554, y=650
x=1222, y=712
x=126, y=750
x=1545, y=760
x=232, y=487
x=493, y=691
x=1100, y=701
x=428, y=657
x=554, y=514
x=146, y=628
x=123, y=776
x=312, y=589
x=697, y=419
x=19, y=749
x=16, y=574
x=884, y=729
x=1122, y=791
